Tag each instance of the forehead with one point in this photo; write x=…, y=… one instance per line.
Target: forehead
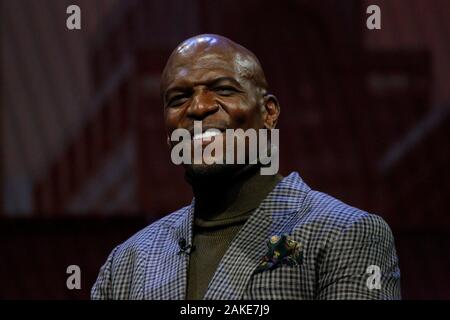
x=188, y=69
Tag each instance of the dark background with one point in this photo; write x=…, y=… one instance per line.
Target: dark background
x=364, y=117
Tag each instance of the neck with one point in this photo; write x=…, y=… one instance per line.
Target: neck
x=230, y=196
x=218, y=194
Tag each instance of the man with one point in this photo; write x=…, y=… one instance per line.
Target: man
x=246, y=235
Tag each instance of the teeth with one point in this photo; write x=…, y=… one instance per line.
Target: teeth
x=207, y=135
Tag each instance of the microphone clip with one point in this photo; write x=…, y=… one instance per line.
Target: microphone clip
x=184, y=247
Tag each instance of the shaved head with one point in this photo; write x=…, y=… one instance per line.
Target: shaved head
x=200, y=50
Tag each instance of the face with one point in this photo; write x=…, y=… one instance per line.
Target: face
x=211, y=85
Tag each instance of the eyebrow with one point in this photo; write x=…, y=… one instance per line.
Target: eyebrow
x=208, y=83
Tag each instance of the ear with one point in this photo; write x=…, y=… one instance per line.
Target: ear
x=271, y=111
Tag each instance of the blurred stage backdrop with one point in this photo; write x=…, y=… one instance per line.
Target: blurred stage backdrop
x=365, y=118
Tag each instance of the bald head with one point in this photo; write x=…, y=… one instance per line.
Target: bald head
x=213, y=51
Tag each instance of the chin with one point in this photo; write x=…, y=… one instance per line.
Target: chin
x=205, y=172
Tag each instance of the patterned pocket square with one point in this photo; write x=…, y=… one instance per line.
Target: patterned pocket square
x=280, y=250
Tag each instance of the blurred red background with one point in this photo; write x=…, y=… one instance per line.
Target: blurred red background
x=364, y=116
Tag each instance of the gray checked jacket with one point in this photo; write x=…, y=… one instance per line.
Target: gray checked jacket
x=347, y=254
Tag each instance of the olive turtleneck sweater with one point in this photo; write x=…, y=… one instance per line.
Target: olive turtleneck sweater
x=220, y=211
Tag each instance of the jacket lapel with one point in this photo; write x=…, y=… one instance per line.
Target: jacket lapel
x=243, y=256
x=166, y=272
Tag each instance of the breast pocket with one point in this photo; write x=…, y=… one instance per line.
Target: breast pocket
x=283, y=283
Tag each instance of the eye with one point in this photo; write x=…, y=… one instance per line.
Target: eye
x=177, y=100
x=225, y=90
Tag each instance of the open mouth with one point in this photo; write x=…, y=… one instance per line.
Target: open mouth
x=207, y=135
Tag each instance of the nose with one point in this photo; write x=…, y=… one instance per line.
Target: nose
x=203, y=105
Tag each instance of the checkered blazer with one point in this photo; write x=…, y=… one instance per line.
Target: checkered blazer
x=339, y=244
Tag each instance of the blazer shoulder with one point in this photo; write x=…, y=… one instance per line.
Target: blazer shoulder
x=331, y=215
